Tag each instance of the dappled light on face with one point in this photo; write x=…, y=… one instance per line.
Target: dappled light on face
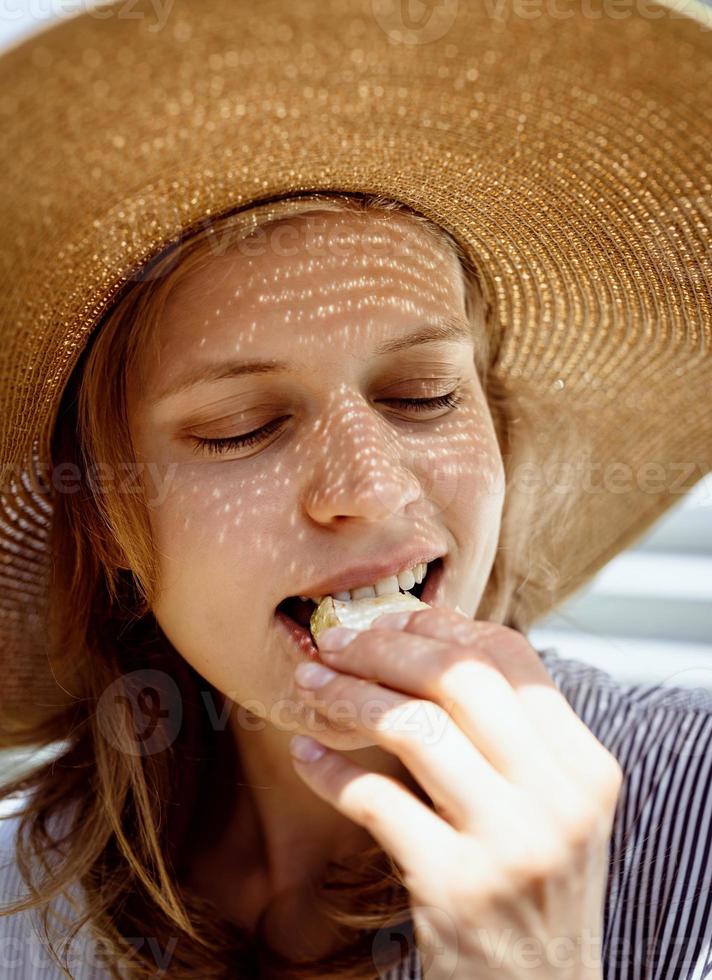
x=315, y=397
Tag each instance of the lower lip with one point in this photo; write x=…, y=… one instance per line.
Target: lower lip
x=304, y=640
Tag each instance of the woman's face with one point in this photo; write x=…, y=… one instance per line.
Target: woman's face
x=343, y=475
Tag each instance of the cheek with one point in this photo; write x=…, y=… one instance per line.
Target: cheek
x=213, y=555
x=211, y=512
x=462, y=471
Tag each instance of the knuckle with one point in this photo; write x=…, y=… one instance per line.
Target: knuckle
x=578, y=820
x=610, y=779
x=445, y=624
x=371, y=642
x=503, y=637
x=451, y=659
x=589, y=829
x=337, y=688
x=399, y=723
x=474, y=880
x=368, y=814
x=435, y=618
x=503, y=646
x=512, y=637
x=372, y=798
x=538, y=864
x=582, y=832
x=615, y=775
x=459, y=667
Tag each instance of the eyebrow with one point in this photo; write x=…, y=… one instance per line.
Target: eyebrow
x=451, y=329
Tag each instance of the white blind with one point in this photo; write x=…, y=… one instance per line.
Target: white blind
x=647, y=615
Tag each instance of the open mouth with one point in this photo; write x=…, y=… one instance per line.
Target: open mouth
x=296, y=613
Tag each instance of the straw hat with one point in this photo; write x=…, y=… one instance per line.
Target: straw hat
x=566, y=146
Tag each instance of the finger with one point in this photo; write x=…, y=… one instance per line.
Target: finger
x=418, y=839
x=566, y=738
x=571, y=743
x=451, y=770
x=468, y=684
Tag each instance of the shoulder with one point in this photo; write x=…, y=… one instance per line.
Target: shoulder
x=18, y=944
x=11, y=886
x=23, y=945
x=659, y=892
x=634, y=720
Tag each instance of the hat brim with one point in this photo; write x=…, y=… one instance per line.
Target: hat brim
x=569, y=154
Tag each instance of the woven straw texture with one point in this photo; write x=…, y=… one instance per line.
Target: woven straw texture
x=569, y=152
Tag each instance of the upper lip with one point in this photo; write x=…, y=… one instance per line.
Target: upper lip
x=370, y=571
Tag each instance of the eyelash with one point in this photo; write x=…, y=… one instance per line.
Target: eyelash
x=219, y=446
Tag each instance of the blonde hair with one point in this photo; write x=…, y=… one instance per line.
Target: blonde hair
x=127, y=834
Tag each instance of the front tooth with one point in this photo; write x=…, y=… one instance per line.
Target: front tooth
x=406, y=580
x=366, y=592
x=387, y=586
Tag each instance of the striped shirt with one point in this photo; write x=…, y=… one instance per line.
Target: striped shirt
x=658, y=904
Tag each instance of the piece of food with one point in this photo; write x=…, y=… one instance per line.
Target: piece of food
x=358, y=614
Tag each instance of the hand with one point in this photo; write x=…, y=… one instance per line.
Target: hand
x=507, y=875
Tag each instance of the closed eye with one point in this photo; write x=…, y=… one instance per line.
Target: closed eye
x=229, y=443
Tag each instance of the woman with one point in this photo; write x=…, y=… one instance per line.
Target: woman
x=194, y=502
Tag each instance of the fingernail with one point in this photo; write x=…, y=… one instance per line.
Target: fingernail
x=335, y=637
x=306, y=749
x=313, y=675
x=391, y=621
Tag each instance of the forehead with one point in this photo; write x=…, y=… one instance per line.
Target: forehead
x=345, y=277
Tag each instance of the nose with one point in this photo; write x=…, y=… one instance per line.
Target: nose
x=357, y=473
